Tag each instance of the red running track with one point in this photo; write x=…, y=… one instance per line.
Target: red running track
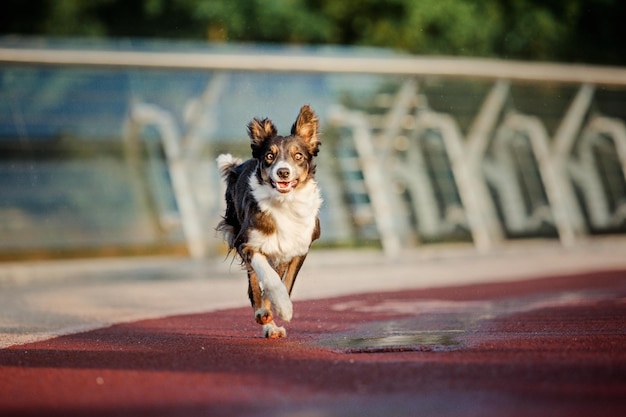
x=548, y=347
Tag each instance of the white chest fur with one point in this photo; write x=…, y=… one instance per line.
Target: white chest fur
x=294, y=215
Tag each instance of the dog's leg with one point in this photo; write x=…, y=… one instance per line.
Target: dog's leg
x=271, y=286
x=262, y=313
x=262, y=309
x=292, y=269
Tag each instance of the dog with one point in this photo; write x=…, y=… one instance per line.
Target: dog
x=271, y=218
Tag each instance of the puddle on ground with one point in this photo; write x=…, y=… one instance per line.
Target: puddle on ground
x=404, y=335
x=436, y=325
x=414, y=341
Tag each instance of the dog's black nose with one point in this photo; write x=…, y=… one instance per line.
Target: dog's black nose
x=283, y=173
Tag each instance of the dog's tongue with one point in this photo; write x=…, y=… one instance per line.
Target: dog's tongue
x=283, y=186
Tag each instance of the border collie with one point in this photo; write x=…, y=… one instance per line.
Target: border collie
x=272, y=203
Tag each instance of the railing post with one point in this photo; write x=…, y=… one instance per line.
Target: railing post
x=145, y=114
x=374, y=178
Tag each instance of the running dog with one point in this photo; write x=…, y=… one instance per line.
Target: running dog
x=271, y=219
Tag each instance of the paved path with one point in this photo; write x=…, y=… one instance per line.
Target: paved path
x=44, y=299
x=533, y=331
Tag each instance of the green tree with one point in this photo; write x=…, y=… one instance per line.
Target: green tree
x=575, y=30
x=455, y=27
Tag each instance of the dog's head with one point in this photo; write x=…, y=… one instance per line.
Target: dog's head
x=285, y=162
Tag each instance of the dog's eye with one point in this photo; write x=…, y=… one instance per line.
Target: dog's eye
x=269, y=157
x=298, y=156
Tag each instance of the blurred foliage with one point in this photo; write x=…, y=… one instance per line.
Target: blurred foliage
x=558, y=30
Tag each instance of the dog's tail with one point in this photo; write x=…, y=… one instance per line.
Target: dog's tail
x=226, y=163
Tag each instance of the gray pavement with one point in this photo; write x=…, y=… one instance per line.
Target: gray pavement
x=40, y=300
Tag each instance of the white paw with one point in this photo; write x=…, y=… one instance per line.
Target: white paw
x=272, y=287
x=272, y=331
x=279, y=297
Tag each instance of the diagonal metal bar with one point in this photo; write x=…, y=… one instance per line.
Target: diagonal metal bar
x=573, y=120
x=487, y=119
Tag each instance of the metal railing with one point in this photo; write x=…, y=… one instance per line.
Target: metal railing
x=419, y=175
x=269, y=62
x=506, y=156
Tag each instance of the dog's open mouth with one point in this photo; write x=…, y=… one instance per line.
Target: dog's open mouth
x=284, y=186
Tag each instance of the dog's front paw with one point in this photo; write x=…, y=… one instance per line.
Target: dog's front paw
x=263, y=316
x=272, y=331
x=279, y=297
x=272, y=287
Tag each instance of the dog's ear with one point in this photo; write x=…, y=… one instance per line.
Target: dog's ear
x=306, y=127
x=259, y=131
